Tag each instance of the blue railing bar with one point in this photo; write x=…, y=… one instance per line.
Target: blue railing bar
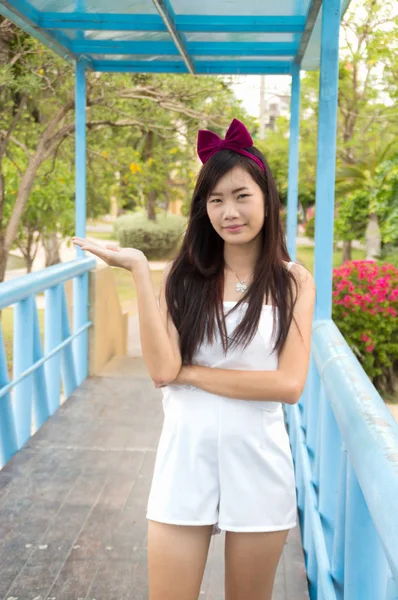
x=166, y=12
x=40, y=362
x=18, y=289
x=324, y=581
x=194, y=48
x=240, y=24
x=368, y=429
x=312, y=16
x=183, y=23
x=254, y=67
x=27, y=18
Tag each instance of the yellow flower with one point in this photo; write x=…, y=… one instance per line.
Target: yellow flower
x=134, y=168
x=41, y=71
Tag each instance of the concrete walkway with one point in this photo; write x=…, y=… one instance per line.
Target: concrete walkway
x=73, y=500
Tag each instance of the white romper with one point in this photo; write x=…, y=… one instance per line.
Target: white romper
x=223, y=461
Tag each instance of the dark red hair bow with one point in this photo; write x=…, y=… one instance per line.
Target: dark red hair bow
x=237, y=139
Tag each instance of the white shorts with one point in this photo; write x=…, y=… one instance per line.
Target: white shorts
x=223, y=462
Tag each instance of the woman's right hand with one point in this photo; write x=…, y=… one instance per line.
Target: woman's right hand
x=124, y=258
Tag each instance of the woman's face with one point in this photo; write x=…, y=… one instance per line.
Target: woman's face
x=236, y=207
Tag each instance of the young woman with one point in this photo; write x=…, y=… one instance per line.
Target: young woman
x=229, y=343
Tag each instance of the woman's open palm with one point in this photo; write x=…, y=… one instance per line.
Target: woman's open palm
x=125, y=258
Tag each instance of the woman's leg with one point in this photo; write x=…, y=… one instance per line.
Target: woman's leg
x=251, y=560
x=176, y=560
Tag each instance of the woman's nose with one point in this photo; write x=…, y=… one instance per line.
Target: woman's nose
x=230, y=211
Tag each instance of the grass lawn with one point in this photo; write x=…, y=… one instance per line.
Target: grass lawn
x=15, y=262
x=101, y=235
x=305, y=254
x=127, y=291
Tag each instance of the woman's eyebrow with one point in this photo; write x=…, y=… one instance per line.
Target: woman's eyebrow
x=233, y=191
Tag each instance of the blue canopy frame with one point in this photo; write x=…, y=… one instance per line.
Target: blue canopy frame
x=167, y=36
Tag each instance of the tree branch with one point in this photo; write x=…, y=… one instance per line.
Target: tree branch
x=16, y=142
x=4, y=142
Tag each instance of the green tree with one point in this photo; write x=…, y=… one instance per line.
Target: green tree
x=367, y=119
x=37, y=106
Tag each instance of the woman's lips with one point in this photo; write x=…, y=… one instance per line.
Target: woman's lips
x=234, y=228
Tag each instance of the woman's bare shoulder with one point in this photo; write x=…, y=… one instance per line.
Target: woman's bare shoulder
x=302, y=275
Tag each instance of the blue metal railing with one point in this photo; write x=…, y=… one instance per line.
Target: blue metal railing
x=34, y=392
x=345, y=447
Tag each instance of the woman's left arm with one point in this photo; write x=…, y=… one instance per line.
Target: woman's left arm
x=286, y=383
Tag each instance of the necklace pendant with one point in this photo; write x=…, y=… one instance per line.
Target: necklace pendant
x=241, y=287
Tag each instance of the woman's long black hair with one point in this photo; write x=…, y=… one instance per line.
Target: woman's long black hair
x=195, y=285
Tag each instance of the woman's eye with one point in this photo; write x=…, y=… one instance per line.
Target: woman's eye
x=243, y=196
x=215, y=200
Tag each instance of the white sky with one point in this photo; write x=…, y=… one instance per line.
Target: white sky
x=247, y=89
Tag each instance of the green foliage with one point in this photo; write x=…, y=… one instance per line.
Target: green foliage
x=365, y=309
x=141, y=134
x=384, y=200
x=352, y=216
x=157, y=239
x=310, y=228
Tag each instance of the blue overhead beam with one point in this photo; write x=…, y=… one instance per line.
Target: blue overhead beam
x=312, y=15
x=167, y=14
x=233, y=67
x=239, y=24
x=193, y=48
x=184, y=23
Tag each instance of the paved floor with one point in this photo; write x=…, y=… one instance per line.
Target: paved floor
x=72, y=501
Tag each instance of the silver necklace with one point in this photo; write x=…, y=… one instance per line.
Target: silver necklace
x=241, y=285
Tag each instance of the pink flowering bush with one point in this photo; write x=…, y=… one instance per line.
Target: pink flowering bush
x=365, y=309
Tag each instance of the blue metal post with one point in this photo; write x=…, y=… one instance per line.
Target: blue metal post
x=292, y=192
x=52, y=338
x=337, y=561
x=80, y=152
x=326, y=158
x=80, y=284
x=8, y=438
x=41, y=405
x=365, y=568
x=68, y=372
x=23, y=358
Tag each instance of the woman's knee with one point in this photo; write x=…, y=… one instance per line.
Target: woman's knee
x=251, y=560
x=176, y=560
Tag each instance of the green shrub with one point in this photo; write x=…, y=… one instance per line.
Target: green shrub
x=156, y=239
x=365, y=308
x=310, y=228
x=389, y=253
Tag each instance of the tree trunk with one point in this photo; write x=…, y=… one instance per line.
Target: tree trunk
x=347, y=250
x=151, y=197
x=150, y=205
x=51, y=247
x=3, y=263
x=29, y=264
